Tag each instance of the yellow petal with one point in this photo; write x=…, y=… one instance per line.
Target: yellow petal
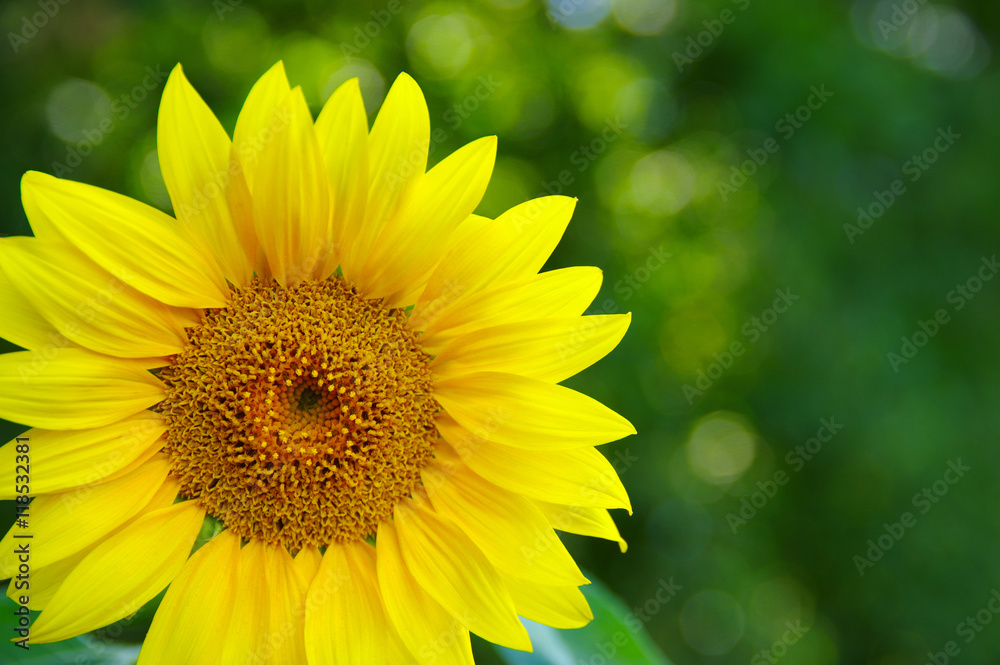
x=528, y=413
x=342, y=132
x=557, y=293
x=134, y=242
x=68, y=522
x=409, y=246
x=73, y=389
x=512, y=533
x=291, y=199
x=44, y=581
x=546, y=349
x=346, y=627
x=432, y=635
x=396, y=652
x=121, y=574
x=197, y=607
x=268, y=621
x=397, y=159
x=515, y=246
x=245, y=641
x=582, y=520
x=37, y=210
x=86, y=303
x=452, y=569
x=257, y=124
x=143, y=457
x=168, y=491
x=289, y=586
x=61, y=460
x=581, y=477
x=21, y=323
x=41, y=583
x=307, y=563
x=202, y=174
x=470, y=225
x=556, y=606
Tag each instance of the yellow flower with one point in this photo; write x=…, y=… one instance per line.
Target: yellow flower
x=326, y=364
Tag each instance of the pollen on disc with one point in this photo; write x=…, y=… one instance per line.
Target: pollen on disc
x=299, y=416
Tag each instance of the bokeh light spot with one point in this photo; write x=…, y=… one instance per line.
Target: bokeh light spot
x=935, y=37
x=599, y=82
x=369, y=79
x=307, y=60
x=440, y=46
x=578, y=14
x=644, y=17
x=953, y=52
x=661, y=183
x=76, y=107
x=721, y=447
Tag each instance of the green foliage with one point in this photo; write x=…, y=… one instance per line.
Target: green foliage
x=616, y=634
x=85, y=650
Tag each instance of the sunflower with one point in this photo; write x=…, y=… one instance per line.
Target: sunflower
x=320, y=405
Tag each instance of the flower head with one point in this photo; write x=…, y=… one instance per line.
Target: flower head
x=325, y=375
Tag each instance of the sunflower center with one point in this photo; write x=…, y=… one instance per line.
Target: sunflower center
x=299, y=416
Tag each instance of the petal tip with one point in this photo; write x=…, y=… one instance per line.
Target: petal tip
x=406, y=78
x=35, y=178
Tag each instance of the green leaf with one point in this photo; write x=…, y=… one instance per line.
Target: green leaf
x=616, y=635
x=83, y=650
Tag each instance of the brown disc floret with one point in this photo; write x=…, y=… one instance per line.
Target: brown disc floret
x=299, y=416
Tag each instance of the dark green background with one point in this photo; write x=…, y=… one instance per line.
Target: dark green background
x=547, y=91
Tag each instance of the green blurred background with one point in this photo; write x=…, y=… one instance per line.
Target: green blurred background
x=720, y=151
